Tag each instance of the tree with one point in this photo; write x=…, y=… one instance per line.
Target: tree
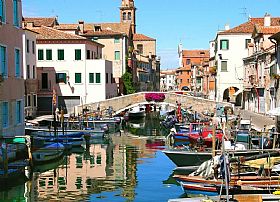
x=128, y=85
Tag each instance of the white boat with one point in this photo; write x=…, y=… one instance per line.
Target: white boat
x=136, y=112
x=48, y=153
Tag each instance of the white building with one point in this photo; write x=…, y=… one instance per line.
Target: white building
x=230, y=48
x=168, y=80
x=30, y=72
x=72, y=66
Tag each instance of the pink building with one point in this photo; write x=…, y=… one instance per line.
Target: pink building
x=11, y=77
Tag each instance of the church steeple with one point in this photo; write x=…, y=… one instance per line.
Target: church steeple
x=127, y=13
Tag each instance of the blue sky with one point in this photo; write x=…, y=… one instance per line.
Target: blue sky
x=192, y=22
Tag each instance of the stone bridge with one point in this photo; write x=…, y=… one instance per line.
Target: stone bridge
x=127, y=101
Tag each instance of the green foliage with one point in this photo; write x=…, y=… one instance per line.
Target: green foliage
x=127, y=80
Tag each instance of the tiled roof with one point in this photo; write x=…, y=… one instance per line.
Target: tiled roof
x=41, y=21
x=196, y=53
x=100, y=33
x=67, y=26
x=268, y=30
x=47, y=33
x=248, y=26
x=142, y=37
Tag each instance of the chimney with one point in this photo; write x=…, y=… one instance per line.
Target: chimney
x=226, y=27
x=267, y=20
x=29, y=24
x=82, y=26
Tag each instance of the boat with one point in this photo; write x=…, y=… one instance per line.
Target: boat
x=188, y=157
x=16, y=172
x=48, y=153
x=136, y=112
x=204, y=137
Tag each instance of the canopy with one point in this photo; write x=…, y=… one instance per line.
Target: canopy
x=238, y=92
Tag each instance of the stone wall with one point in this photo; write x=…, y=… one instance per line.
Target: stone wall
x=127, y=101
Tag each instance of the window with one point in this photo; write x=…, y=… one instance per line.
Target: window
x=45, y=81
x=117, y=55
x=124, y=16
x=5, y=114
x=140, y=48
x=129, y=16
x=224, y=44
x=40, y=54
x=18, y=112
x=28, y=71
x=33, y=47
x=247, y=41
x=91, y=77
x=34, y=72
x=15, y=13
x=107, y=77
x=78, y=54
x=3, y=61
x=97, y=78
x=17, y=63
x=188, y=62
x=27, y=46
x=49, y=54
x=117, y=40
x=34, y=100
x=60, y=54
x=88, y=54
x=2, y=10
x=223, y=66
x=60, y=77
x=78, y=78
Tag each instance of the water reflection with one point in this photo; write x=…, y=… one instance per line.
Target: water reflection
x=102, y=169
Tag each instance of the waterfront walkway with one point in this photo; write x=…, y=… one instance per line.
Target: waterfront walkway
x=259, y=121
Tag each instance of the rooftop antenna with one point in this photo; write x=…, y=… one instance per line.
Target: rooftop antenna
x=244, y=12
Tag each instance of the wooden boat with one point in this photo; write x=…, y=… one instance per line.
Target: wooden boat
x=136, y=112
x=199, y=189
x=205, y=136
x=185, y=157
x=48, y=153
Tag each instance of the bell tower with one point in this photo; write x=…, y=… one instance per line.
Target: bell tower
x=127, y=13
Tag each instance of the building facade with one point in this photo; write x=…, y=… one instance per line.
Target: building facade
x=11, y=71
x=66, y=65
x=168, y=80
x=30, y=73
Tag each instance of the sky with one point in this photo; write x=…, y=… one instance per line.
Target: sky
x=190, y=22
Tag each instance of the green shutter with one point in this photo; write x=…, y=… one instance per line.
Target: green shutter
x=223, y=66
x=40, y=54
x=117, y=55
x=91, y=77
x=117, y=40
x=2, y=14
x=97, y=78
x=78, y=78
x=49, y=54
x=224, y=44
x=15, y=13
x=78, y=54
x=60, y=54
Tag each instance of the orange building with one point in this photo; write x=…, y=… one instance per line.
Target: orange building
x=186, y=75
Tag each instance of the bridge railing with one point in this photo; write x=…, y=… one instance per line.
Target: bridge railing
x=121, y=102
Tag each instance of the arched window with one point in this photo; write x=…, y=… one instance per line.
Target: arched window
x=129, y=16
x=124, y=16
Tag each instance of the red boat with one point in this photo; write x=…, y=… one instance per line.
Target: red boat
x=205, y=136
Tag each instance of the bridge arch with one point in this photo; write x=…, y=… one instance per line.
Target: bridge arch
x=127, y=101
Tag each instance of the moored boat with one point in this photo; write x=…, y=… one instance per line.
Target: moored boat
x=48, y=153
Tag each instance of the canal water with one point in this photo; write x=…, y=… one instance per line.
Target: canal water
x=128, y=166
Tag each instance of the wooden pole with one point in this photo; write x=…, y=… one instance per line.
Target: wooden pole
x=214, y=140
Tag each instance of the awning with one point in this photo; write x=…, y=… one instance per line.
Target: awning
x=237, y=92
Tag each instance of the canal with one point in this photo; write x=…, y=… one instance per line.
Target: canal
x=127, y=166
